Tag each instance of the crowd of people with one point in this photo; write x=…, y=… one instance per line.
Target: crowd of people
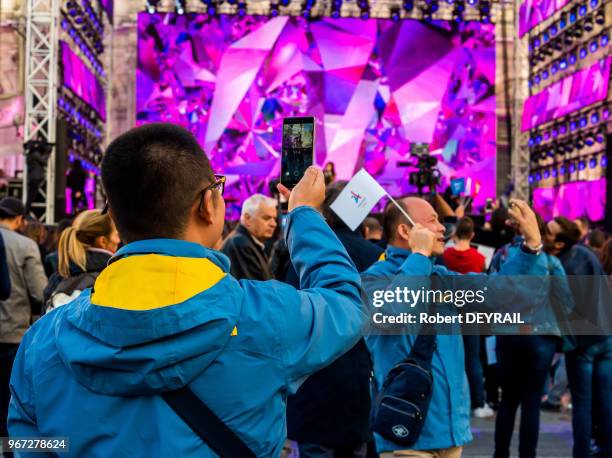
x=262, y=321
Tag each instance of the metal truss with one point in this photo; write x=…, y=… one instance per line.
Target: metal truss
x=322, y=8
x=520, y=149
x=42, y=19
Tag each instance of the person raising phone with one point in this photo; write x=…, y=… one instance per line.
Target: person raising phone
x=166, y=314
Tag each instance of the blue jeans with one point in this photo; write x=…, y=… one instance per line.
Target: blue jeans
x=589, y=371
x=523, y=363
x=558, y=383
x=474, y=370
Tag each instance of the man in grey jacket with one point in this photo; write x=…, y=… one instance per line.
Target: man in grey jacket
x=28, y=281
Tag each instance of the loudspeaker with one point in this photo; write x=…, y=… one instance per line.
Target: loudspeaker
x=61, y=165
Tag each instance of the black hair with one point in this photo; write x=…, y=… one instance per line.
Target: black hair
x=332, y=192
x=372, y=223
x=569, y=233
x=596, y=239
x=392, y=217
x=152, y=175
x=465, y=228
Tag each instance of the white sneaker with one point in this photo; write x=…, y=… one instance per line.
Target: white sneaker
x=483, y=412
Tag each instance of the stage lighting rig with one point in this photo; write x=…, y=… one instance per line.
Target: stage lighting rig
x=335, y=9
x=307, y=7
x=485, y=11
x=428, y=9
x=179, y=7
x=242, y=9
x=394, y=14
x=151, y=6
x=408, y=5
x=458, y=10
x=364, y=8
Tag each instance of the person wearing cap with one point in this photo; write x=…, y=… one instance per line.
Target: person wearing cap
x=28, y=281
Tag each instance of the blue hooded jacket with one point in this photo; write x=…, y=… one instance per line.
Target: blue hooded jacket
x=448, y=419
x=165, y=314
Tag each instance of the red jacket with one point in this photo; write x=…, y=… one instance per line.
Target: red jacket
x=464, y=262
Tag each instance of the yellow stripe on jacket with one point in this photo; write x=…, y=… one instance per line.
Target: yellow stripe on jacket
x=145, y=282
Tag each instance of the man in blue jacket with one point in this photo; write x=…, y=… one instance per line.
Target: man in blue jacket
x=410, y=252
x=166, y=314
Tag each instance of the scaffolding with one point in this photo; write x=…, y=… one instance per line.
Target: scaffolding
x=520, y=149
x=41, y=95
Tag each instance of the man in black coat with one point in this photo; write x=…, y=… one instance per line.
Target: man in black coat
x=329, y=415
x=37, y=155
x=245, y=245
x=589, y=363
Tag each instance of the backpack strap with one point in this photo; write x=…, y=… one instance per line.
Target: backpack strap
x=203, y=421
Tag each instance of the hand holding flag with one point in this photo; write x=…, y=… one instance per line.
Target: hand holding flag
x=358, y=198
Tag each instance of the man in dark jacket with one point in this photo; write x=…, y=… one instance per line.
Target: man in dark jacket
x=27, y=281
x=5, y=278
x=589, y=365
x=36, y=161
x=329, y=415
x=245, y=246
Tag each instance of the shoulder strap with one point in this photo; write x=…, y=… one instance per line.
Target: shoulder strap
x=425, y=344
x=203, y=421
x=423, y=349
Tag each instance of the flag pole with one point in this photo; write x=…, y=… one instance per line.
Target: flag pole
x=399, y=207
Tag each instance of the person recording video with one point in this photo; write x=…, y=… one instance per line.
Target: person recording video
x=167, y=333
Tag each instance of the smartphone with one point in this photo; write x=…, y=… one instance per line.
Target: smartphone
x=457, y=186
x=489, y=205
x=297, y=152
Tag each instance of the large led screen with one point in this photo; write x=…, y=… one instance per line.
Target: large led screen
x=81, y=81
x=374, y=86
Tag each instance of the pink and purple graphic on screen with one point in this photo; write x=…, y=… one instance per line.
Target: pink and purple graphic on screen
x=533, y=12
x=373, y=86
x=574, y=92
x=81, y=81
x=569, y=200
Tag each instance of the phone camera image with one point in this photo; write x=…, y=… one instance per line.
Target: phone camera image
x=298, y=146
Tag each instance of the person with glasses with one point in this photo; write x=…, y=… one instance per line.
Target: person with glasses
x=166, y=314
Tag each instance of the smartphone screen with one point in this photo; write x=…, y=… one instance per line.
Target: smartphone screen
x=297, y=150
x=457, y=186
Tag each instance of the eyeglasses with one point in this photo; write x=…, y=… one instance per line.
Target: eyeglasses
x=218, y=184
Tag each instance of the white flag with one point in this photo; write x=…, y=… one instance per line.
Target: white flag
x=357, y=199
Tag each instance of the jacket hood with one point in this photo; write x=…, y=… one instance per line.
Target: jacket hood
x=95, y=261
x=462, y=261
x=157, y=317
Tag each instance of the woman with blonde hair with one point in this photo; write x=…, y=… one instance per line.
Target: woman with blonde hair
x=83, y=252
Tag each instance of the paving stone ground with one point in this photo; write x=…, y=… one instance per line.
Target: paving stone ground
x=555, y=440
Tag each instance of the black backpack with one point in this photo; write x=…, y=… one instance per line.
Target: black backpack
x=69, y=288
x=402, y=403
